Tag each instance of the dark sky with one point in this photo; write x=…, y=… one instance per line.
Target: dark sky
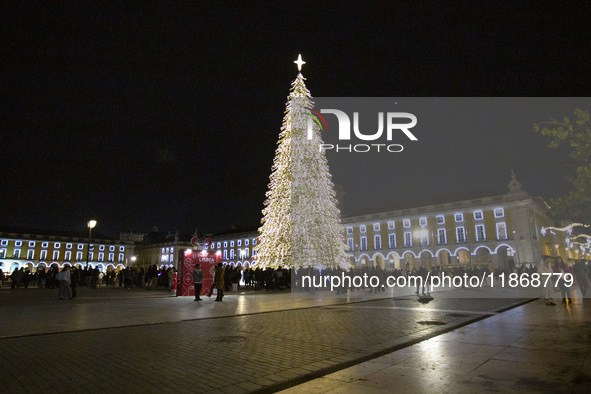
x=167, y=115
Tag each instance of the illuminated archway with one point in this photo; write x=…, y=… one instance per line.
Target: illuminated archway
x=444, y=256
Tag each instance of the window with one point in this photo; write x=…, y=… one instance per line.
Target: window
x=499, y=212
x=460, y=234
x=122, y=248
x=68, y=256
x=254, y=252
x=246, y=253
x=440, y=219
x=80, y=246
x=44, y=244
x=245, y=242
x=362, y=228
x=102, y=247
x=231, y=244
x=232, y=253
x=111, y=257
x=4, y=242
x=56, y=255
x=225, y=244
x=478, y=215
x=480, y=233
x=425, y=239
x=112, y=248
x=56, y=245
x=406, y=223
x=459, y=217
x=392, y=241
x=30, y=254
x=501, y=230
x=16, y=254
x=377, y=242
x=122, y=257
x=31, y=244
x=90, y=256
x=101, y=257
x=376, y=227
x=18, y=243
x=225, y=254
x=2, y=253
x=78, y=256
x=68, y=246
x=423, y=221
x=363, y=243
x=441, y=236
x=350, y=243
x=391, y=225
x=407, y=239
x=44, y=255
x=239, y=242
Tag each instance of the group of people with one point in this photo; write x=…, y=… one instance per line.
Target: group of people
x=218, y=281
x=91, y=277
x=270, y=279
x=229, y=277
x=551, y=265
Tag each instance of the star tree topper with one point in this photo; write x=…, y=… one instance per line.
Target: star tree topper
x=300, y=62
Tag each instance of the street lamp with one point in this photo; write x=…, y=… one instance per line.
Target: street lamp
x=91, y=224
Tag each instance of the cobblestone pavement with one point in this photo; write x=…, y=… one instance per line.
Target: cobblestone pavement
x=533, y=348
x=266, y=349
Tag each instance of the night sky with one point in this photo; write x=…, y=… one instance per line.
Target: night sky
x=142, y=115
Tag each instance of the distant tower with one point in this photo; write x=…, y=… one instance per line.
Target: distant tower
x=514, y=185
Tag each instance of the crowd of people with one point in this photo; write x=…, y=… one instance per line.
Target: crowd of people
x=274, y=279
x=90, y=277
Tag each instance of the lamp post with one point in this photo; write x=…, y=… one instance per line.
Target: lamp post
x=91, y=224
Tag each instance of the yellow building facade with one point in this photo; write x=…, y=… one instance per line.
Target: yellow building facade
x=35, y=249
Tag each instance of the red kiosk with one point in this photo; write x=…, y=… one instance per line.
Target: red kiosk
x=187, y=258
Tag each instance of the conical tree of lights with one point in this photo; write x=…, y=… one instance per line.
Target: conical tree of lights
x=301, y=222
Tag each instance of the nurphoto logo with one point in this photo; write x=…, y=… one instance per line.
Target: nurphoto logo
x=392, y=120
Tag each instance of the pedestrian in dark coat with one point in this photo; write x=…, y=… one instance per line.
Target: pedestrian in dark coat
x=219, y=281
x=197, y=281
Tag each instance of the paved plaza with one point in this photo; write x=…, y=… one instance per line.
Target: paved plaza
x=117, y=340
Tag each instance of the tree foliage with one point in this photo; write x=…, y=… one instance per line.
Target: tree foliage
x=576, y=134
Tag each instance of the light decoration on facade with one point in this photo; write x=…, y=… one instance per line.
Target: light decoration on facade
x=569, y=240
x=568, y=229
x=301, y=221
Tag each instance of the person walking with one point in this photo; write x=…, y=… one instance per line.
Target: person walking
x=197, y=281
x=64, y=279
x=563, y=269
x=219, y=281
x=581, y=272
x=170, y=274
x=74, y=278
x=545, y=271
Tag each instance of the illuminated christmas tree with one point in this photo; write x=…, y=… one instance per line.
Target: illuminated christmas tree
x=301, y=221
